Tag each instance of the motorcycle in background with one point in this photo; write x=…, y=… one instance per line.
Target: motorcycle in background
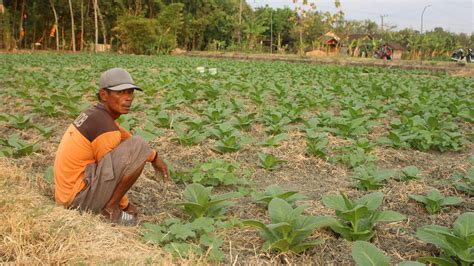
x=469, y=56
x=383, y=53
x=459, y=55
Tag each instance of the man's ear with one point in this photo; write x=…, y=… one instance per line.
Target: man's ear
x=103, y=94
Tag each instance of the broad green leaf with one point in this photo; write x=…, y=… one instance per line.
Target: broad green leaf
x=181, y=231
x=464, y=225
x=279, y=210
x=372, y=200
x=389, y=216
x=335, y=202
x=419, y=198
x=451, y=201
x=303, y=246
x=365, y=254
x=441, y=261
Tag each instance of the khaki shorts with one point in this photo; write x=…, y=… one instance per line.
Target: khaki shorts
x=102, y=178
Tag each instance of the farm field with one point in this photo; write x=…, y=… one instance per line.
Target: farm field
x=385, y=135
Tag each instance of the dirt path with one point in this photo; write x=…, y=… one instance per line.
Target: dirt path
x=457, y=69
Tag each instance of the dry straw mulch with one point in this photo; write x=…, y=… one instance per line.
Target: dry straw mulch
x=36, y=231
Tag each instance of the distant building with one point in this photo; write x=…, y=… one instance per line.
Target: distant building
x=331, y=42
x=361, y=45
x=395, y=48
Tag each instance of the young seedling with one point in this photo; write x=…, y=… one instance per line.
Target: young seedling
x=357, y=218
x=409, y=173
x=316, y=144
x=16, y=146
x=186, y=136
x=244, y=121
x=371, y=178
x=288, y=228
x=465, y=182
x=18, y=121
x=434, y=201
x=200, y=203
x=274, y=141
x=269, y=161
x=227, y=144
x=456, y=244
x=275, y=191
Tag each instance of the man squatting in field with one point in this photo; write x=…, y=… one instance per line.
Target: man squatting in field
x=98, y=161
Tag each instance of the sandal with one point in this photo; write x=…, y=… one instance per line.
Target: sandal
x=125, y=218
x=131, y=209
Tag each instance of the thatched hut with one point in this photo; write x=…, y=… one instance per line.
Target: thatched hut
x=395, y=48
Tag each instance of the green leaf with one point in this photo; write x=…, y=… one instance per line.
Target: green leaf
x=434, y=234
x=410, y=263
x=389, y=216
x=419, y=198
x=278, y=210
x=372, y=200
x=464, y=225
x=365, y=254
x=204, y=224
x=148, y=136
x=181, y=231
x=451, y=201
x=410, y=172
x=441, y=261
x=304, y=246
x=254, y=223
x=183, y=250
x=49, y=175
x=335, y=202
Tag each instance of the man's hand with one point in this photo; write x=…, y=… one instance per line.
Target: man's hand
x=160, y=167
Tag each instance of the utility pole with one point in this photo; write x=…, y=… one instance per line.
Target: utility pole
x=381, y=17
x=239, y=36
x=422, y=13
x=271, y=31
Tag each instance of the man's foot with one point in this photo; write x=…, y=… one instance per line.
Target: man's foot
x=119, y=217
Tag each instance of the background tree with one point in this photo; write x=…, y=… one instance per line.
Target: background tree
x=73, y=35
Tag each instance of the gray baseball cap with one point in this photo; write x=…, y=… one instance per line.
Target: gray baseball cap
x=116, y=79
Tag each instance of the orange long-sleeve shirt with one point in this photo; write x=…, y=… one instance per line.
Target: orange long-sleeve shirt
x=92, y=135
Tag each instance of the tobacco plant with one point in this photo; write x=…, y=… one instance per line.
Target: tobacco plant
x=200, y=203
x=274, y=141
x=275, y=191
x=288, y=228
x=316, y=144
x=465, y=182
x=370, y=177
x=356, y=219
x=269, y=161
x=408, y=173
x=15, y=146
x=434, y=201
x=457, y=244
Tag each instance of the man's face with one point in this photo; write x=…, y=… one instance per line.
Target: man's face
x=117, y=102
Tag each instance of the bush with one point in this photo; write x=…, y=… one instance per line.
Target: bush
x=137, y=35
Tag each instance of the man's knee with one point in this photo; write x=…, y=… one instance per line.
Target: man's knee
x=137, y=141
x=134, y=148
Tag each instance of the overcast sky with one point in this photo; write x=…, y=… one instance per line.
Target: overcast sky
x=452, y=15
